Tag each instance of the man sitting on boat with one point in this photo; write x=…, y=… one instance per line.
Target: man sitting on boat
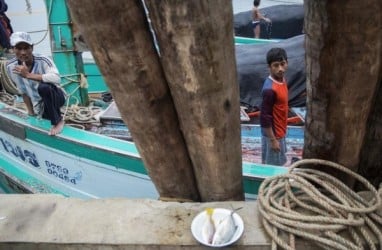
x=38, y=81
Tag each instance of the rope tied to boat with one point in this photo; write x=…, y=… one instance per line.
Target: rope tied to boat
x=81, y=80
x=81, y=114
x=7, y=98
x=316, y=206
x=5, y=79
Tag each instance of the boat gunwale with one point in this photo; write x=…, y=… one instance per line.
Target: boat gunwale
x=27, y=124
x=62, y=136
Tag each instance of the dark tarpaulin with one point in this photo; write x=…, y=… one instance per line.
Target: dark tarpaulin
x=5, y=26
x=287, y=22
x=252, y=70
x=3, y=6
x=4, y=37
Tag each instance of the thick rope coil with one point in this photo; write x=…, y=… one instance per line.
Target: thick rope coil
x=74, y=125
x=80, y=114
x=313, y=205
x=7, y=98
x=6, y=81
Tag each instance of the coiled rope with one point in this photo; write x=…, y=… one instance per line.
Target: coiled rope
x=74, y=112
x=318, y=207
x=79, y=114
x=7, y=98
x=6, y=81
x=7, y=85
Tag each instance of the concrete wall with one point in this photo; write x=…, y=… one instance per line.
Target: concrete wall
x=54, y=222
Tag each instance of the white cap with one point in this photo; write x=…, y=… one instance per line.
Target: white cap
x=20, y=37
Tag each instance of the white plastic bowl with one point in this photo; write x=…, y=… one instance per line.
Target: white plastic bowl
x=219, y=213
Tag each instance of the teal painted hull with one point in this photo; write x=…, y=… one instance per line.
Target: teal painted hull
x=93, y=75
x=83, y=164
x=76, y=163
x=239, y=40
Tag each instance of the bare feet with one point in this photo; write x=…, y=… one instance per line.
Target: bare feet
x=56, y=129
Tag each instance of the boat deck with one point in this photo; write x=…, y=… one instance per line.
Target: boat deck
x=251, y=145
x=111, y=113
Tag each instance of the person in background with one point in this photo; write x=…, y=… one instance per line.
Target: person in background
x=274, y=109
x=38, y=81
x=5, y=26
x=256, y=18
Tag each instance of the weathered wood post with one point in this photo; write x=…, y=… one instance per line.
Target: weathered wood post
x=117, y=33
x=193, y=80
x=344, y=67
x=198, y=58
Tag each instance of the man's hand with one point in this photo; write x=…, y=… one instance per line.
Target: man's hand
x=21, y=70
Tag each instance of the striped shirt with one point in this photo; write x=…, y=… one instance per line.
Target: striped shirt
x=41, y=65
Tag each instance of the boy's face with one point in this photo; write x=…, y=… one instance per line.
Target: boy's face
x=277, y=69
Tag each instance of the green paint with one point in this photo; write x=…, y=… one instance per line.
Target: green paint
x=67, y=60
x=247, y=40
x=88, y=145
x=9, y=167
x=251, y=186
x=262, y=171
x=92, y=147
x=254, y=174
x=95, y=79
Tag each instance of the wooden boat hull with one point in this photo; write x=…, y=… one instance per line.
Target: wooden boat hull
x=79, y=163
x=76, y=164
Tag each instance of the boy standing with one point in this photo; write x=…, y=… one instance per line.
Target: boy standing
x=274, y=109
